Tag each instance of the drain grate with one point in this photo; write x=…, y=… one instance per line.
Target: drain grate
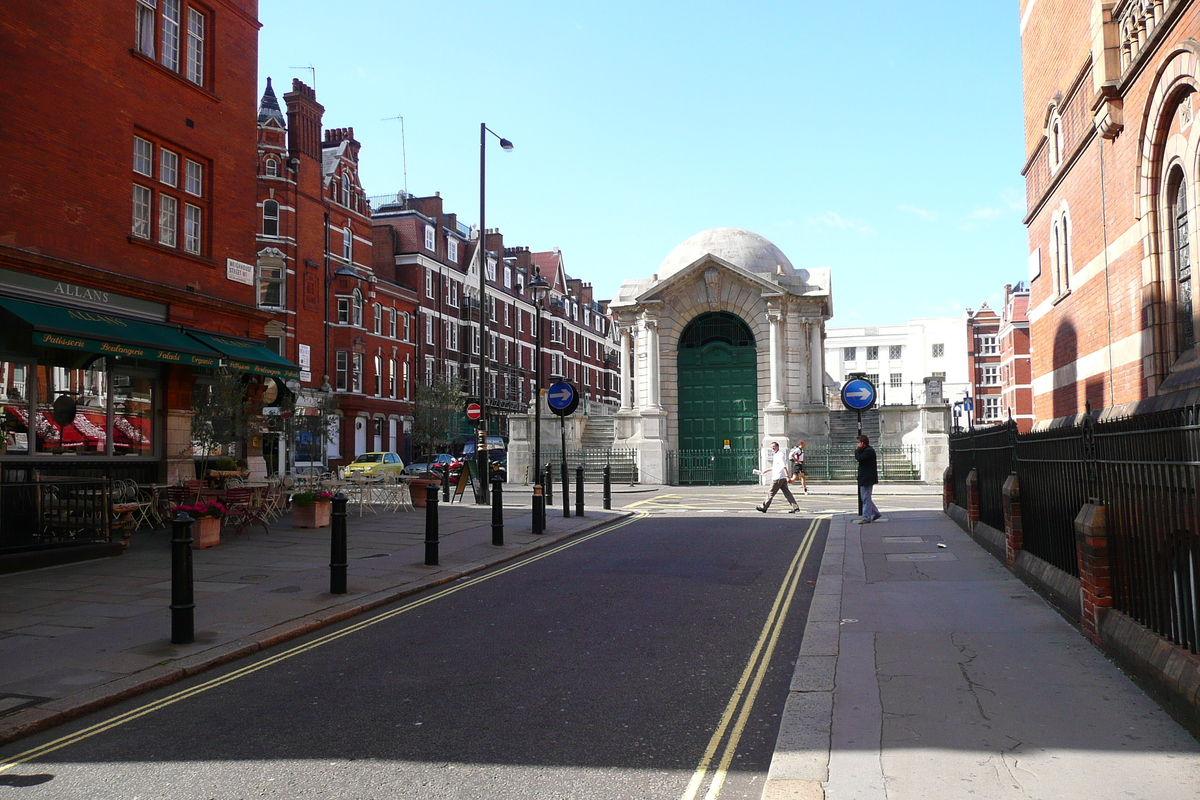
x=15, y=702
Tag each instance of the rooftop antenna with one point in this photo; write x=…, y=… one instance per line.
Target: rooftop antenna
x=403, y=151
x=313, y=70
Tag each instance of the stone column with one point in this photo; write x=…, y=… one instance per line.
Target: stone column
x=626, y=367
x=806, y=388
x=775, y=320
x=653, y=378
x=816, y=362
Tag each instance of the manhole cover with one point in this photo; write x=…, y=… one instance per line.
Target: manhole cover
x=15, y=702
x=286, y=589
x=947, y=556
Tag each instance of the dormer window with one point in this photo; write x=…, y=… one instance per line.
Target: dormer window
x=430, y=239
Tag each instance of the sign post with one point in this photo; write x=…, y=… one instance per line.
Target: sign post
x=474, y=412
x=563, y=399
x=858, y=394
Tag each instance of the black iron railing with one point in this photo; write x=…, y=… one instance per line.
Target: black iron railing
x=1144, y=470
x=54, y=511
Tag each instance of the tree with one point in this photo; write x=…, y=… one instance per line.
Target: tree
x=220, y=413
x=313, y=415
x=434, y=411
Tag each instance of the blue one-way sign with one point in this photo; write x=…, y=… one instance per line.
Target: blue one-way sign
x=858, y=394
x=562, y=398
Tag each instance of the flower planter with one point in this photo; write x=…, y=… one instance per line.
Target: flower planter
x=416, y=489
x=206, y=532
x=311, y=515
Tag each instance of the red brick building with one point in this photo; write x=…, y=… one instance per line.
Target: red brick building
x=432, y=250
x=337, y=311
x=983, y=364
x=1111, y=180
x=1016, y=389
x=127, y=230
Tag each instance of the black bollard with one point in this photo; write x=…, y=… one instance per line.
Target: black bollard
x=183, y=606
x=548, y=486
x=431, y=525
x=497, y=512
x=446, y=482
x=579, y=491
x=337, y=545
x=566, y=492
x=607, y=487
x=539, y=510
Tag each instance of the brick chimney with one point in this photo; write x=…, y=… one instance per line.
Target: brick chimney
x=304, y=120
x=335, y=136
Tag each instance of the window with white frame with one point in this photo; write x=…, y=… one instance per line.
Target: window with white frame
x=988, y=346
x=872, y=354
x=168, y=167
x=342, y=370
x=991, y=408
x=270, y=283
x=991, y=376
x=406, y=380
x=452, y=293
x=168, y=220
x=896, y=380
x=343, y=310
x=452, y=249
x=392, y=323
x=849, y=354
x=939, y=350
x=873, y=377
x=1060, y=252
x=194, y=178
x=407, y=326
x=451, y=334
x=392, y=378
x=428, y=329
x=430, y=239
x=491, y=269
x=508, y=277
x=356, y=372
x=271, y=168
x=377, y=318
x=429, y=283
x=356, y=306
x=348, y=244
x=170, y=210
x=174, y=33
x=270, y=218
x=507, y=315
x=895, y=351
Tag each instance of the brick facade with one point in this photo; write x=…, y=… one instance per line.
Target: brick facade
x=1109, y=108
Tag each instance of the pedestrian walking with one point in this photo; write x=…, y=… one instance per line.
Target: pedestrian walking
x=797, y=458
x=868, y=476
x=779, y=481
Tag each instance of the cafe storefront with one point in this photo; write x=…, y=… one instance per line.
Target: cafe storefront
x=96, y=388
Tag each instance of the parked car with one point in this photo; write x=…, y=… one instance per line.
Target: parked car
x=428, y=464
x=375, y=465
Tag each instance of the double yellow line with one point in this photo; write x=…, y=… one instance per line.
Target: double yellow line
x=158, y=705
x=747, y=687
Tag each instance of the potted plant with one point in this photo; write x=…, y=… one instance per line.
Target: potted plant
x=206, y=530
x=311, y=509
x=418, y=487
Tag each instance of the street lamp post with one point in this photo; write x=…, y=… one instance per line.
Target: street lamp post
x=481, y=456
x=537, y=288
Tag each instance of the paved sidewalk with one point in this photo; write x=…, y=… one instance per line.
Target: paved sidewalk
x=77, y=637
x=930, y=672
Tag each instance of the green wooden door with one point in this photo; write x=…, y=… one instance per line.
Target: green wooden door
x=718, y=393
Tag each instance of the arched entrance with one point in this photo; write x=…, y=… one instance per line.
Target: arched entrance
x=718, y=400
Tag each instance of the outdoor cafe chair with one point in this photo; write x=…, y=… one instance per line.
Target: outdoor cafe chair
x=242, y=510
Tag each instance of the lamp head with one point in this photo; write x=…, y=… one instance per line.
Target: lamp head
x=505, y=144
x=537, y=287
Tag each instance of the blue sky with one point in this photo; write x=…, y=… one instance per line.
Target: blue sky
x=880, y=139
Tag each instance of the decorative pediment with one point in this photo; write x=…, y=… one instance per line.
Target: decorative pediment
x=271, y=252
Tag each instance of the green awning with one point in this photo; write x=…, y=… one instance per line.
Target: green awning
x=251, y=357
x=109, y=334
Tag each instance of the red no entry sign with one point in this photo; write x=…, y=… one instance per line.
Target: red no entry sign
x=474, y=411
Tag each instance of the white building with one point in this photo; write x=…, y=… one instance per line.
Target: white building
x=898, y=358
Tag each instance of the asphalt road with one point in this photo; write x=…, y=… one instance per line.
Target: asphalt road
x=647, y=660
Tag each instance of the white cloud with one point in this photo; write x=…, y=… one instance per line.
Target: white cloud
x=923, y=213
x=832, y=219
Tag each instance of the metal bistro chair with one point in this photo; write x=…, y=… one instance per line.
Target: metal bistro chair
x=241, y=510
x=147, y=506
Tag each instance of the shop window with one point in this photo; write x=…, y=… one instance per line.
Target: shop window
x=14, y=408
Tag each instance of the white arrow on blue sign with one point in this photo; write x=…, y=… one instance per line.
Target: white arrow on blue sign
x=560, y=395
x=858, y=394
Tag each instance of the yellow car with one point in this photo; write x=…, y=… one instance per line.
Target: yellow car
x=375, y=465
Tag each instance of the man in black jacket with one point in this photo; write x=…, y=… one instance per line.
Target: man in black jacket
x=868, y=476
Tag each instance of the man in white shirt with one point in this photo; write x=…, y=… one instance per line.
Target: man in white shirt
x=779, y=481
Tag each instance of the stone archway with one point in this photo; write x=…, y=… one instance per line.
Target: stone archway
x=718, y=399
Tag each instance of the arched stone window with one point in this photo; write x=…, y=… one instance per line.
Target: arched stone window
x=272, y=168
x=1181, y=258
x=270, y=218
x=1060, y=252
x=1054, y=141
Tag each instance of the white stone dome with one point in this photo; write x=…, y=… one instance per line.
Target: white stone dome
x=741, y=248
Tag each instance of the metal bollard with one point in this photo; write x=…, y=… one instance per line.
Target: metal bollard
x=337, y=545
x=607, y=487
x=548, y=485
x=566, y=492
x=446, y=482
x=539, y=510
x=183, y=605
x=497, y=512
x=431, y=525
x=579, y=491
